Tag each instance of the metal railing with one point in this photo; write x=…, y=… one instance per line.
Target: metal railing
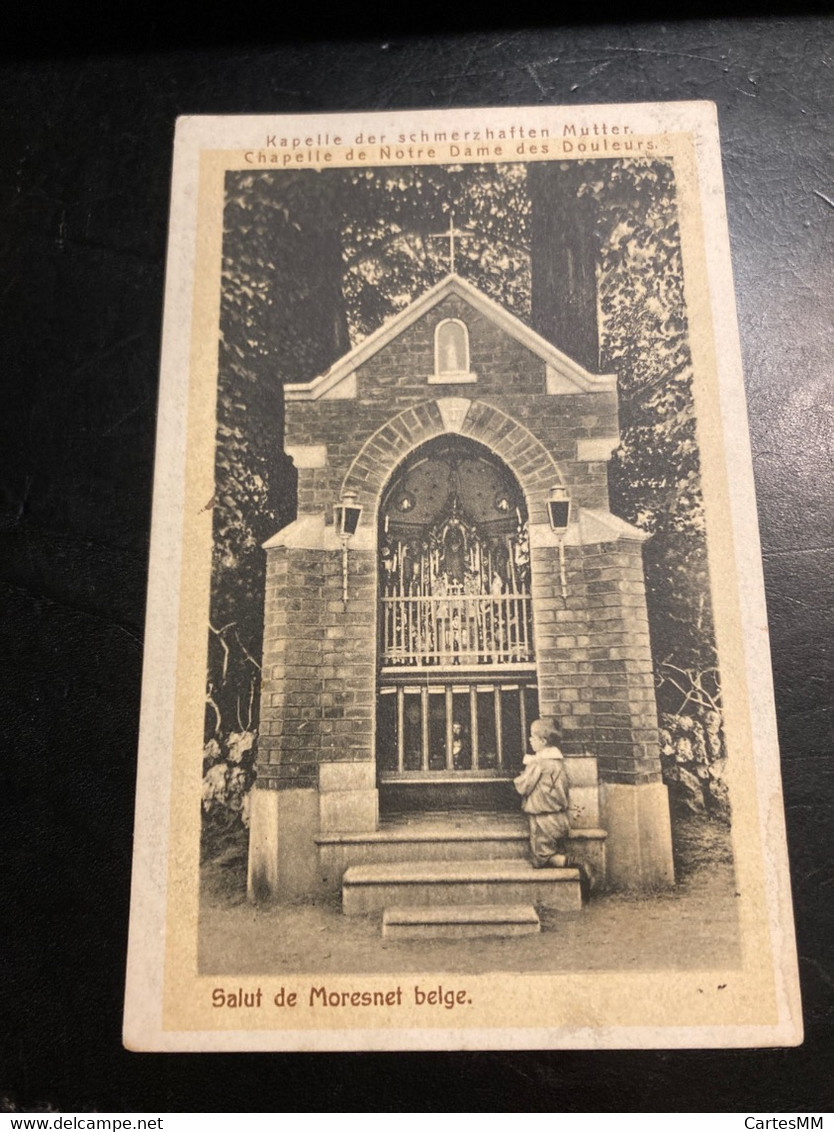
x=457, y=629
x=449, y=727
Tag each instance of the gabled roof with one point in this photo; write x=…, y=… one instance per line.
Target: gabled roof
x=564, y=375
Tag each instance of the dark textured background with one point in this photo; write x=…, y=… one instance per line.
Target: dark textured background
x=85, y=150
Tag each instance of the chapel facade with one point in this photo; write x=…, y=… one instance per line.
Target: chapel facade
x=454, y=571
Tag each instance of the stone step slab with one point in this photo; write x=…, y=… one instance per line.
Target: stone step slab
x=460, y=921
x=442, y=842
x=372, y=888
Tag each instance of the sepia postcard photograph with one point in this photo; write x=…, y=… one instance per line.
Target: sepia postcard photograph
x=457, y=720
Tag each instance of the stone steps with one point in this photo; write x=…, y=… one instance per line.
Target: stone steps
x=372, y=888
x=495, y=839
x=422, y=841
x=460, y=921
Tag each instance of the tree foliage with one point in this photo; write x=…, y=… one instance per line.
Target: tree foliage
x=394, y=246
x=655, y=475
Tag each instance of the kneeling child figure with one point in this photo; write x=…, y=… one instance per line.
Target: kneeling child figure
x=543, y=785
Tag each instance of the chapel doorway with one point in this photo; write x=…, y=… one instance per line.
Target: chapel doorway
x=457, y=670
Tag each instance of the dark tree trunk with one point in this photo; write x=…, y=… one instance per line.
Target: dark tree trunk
x=307, y=327
x=563, y=259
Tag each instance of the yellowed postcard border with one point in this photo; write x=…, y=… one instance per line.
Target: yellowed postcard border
x=168, y=1004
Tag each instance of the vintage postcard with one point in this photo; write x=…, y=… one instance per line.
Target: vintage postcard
x=457, y=721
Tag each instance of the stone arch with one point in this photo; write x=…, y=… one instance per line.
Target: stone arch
x=523, y=453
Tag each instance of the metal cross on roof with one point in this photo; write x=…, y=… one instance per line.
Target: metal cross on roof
x=450, y=235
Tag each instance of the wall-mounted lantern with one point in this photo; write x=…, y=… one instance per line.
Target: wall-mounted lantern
x=346, y=515
x=558, y=511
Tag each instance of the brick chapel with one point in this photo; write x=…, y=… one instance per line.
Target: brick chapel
x=453, y=572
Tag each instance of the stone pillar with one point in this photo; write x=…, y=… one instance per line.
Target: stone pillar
x=316, y=768
x=284, y=804
x=595, y=676
x=634, y=799
x=639, y=845
x=283, y=862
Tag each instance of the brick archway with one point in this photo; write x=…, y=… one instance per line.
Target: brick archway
x=523, y=453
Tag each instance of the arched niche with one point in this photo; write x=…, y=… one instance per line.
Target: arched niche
x=457, y=672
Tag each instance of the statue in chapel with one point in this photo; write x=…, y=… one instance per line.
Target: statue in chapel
x=454, y=555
